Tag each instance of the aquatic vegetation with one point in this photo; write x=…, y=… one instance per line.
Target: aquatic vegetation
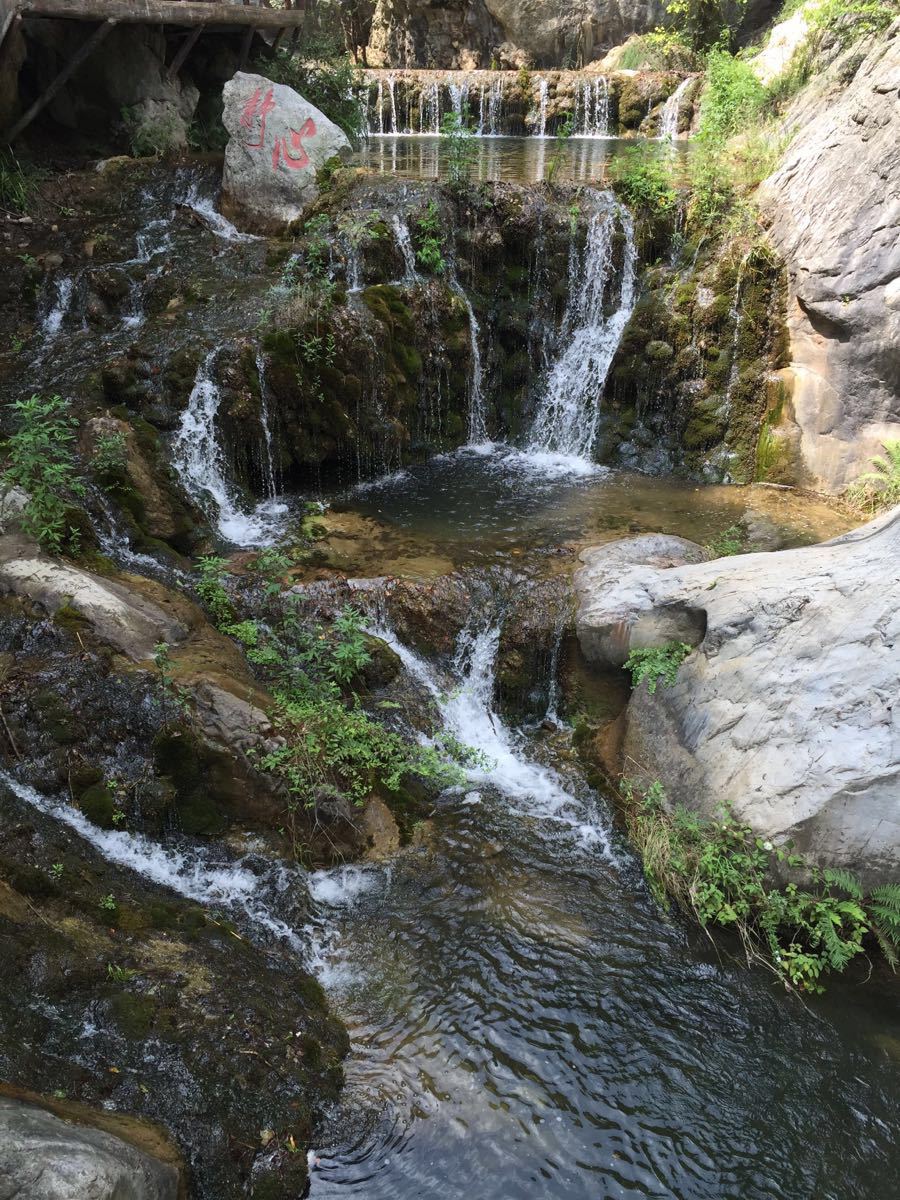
x=729, y=541
x=656, y=664
x=720, y=873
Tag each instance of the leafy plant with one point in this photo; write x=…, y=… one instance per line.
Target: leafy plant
x=152, y=137
x=172, y=698
x=110, y=453
x=116, y=973
x=879, y=488
x=656, y=664
x=17, y=184
x=720, y=872
x=460, y=152
x=729, y=541
x=57, y=870
x=732, y=97
x=563, y=134
x=703, y=23
x=642, y=177
x=429, y=251
x=41, y=461
x=108, y=903
x=211, y=590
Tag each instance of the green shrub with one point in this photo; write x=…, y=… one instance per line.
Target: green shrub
x=429, y=251
x=732, y=98
x=850, y=20
x=460, y=152
x=110, y=454
x=152, y=138
x=729, y=541
x=720, y=872
x=17, y=185
x=41, y=461
x=659, y=50
x=704, y=23
x=642, y=176
x=656, y=663
x=879, y=488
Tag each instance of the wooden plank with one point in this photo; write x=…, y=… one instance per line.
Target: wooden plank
x=83, y=52
x=8, y=13
x=178, y=61
x=166, y=12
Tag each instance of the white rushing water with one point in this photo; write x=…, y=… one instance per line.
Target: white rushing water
x=542, y=108
x=51, y=323
x=591, y=117
x=205, y=208
x=565, y=425
x=468, y=713
x=477, y=426
x=200, y=463
x=668, y=124
x=405, y=246
x=195, y=874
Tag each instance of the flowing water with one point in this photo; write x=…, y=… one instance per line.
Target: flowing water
x=668, y=125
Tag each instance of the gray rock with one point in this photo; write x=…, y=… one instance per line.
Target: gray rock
x=834, y=205
x=45, y=1158
x=277, y=143
x=788, y=707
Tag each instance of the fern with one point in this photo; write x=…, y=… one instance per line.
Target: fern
x=888, y=895
x=881, y=486
x=888, y=943
x=844, y=880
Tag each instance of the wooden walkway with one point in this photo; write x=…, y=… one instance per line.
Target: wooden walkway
x=200, y=16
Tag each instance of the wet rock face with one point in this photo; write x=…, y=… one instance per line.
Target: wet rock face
x=836, y=219
x=786, y=708
x=277, y=143
x=45, y=1158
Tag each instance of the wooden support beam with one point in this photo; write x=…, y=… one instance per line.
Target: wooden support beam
x=184, y=50
x=167, y=12
x=84, y=51
x=245, y=47
x=273, y=49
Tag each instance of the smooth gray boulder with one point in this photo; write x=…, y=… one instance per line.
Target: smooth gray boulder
x=789, y=708
x=45, y=1158
x=277, y=143
x=834, y=208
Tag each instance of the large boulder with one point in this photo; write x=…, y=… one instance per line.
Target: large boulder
x=46, y=1158
x=277, y=143
x=787, y=708
x=834, y=206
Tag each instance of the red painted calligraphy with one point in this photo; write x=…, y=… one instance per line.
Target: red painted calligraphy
x=294, y=156
x=257, y=108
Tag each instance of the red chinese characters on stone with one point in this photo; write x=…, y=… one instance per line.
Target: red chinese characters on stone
x=293, y=155
x=257, y=109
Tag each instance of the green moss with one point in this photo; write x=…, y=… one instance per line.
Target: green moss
x=98, y=805
x=133, y=1015
x=179, y=760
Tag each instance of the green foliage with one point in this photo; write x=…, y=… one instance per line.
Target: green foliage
x=642, y=177
x=119, y=974
x=703, y=23
x=729, y=541
x=659, y=50
x=17, y=185
x=656, y=663
x=850, y=20
x=460, y=152
x=429, y=251
x=732, y=98
x=563, y=133
x=719, y=872
x=361, y=228
x=108, y=903
x=172, y=698
x=57, y=870
x=109, y=454
x=41, y=461
x=332, y=84
x=879, y=488
x=211, y=590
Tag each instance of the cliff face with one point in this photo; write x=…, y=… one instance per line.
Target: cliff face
x=834, y=205
x=472, y=33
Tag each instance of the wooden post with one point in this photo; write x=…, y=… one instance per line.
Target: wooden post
x=245, y=48
x=273, y=49
x=186, y=47
x=83, y=52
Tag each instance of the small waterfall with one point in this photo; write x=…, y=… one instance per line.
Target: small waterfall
x=380, y=104
x=478, y=434
x=405, y=246
x=566, y=420
x=430, y=110
x=269, y=472
x=495, y=107
x=195, y=874
x=591, y=117
x=395, y=128
x=467, y=712
x=668, y=124
x=459, y=99
x=200, y=463
x=204, y=207
x=735, y=315
x=52, y=322
x=354, y=267
x=542, y=108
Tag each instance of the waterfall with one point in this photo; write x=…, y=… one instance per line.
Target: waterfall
x=56, y=313
x=592, y=108
x=200, y=463
x=394, y=127
x=430, y=110
x=668, y=125
x=566, y=420
x=405, y=246
x=205, y=208
x=380, y=103
x=195, y=874
x=478, y=434
x=269, y=471
x=495, y=107
x=467, y=712
x=542, y=108
x=459, y=97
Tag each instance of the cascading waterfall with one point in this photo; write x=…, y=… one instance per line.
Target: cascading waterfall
x=566, y=422
x=430, y=110
x=459, y=98
x=490, y=108
x=395, y=128
x=205, y=208
x=591, y=118
x=405, y=246
x=52, y=323
x=380, y=103
x=193, y=873
x=200, y=463
x=478, y=434
x=269, y=472
x=468, y=713
x=668, y=124
x=542, y=108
